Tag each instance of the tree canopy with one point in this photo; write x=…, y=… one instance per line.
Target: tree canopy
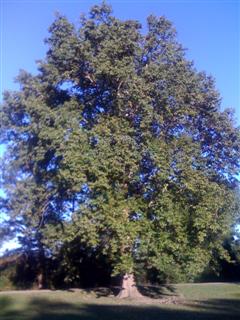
x=120, y=143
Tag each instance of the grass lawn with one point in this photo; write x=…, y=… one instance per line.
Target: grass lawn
x=199, y=301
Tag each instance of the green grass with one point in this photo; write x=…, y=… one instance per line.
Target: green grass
x=200, y=301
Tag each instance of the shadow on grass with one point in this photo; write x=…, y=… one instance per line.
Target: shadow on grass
x=220, y=306
x=43, y=309
x=153, y=292
x=158, y=292
x=99, y=292
x=5, y=304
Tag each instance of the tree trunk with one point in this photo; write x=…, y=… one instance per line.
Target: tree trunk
x=40, y=280
x=129, y=288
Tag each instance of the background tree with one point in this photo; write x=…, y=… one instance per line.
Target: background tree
x=120, y=143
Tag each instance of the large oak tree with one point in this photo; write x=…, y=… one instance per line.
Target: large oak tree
x=119, y=142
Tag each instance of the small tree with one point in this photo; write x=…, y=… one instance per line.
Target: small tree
x=119, y=142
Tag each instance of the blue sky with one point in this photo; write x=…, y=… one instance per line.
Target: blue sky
x=209, y=29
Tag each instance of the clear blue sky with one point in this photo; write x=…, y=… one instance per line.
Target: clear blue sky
x=209, y=29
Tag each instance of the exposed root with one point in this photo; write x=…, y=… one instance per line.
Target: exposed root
x=129, y=288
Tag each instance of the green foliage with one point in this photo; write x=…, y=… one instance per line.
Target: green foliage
x=5, y=279
x=120, y=143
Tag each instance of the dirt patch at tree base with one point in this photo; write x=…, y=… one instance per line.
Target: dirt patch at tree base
x=150, y=301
